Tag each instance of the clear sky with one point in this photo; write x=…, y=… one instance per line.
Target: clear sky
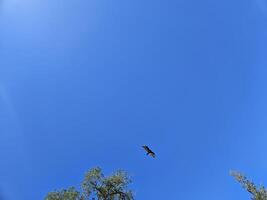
x=86, y=83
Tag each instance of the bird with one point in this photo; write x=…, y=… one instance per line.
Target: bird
x=149, y=151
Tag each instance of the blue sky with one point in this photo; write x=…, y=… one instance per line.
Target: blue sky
x=86, y=83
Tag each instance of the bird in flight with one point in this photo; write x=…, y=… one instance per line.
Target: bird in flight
x=149, y=151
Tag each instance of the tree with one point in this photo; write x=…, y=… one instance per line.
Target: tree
x=96, y=186
x=258, y=193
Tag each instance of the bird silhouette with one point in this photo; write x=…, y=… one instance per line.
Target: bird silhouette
x=149, y=151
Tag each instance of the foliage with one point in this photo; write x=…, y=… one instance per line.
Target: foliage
x=70, y=194
x=96, y=186
x=258, y=193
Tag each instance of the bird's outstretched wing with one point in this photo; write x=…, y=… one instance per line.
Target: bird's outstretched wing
x=146, y=148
